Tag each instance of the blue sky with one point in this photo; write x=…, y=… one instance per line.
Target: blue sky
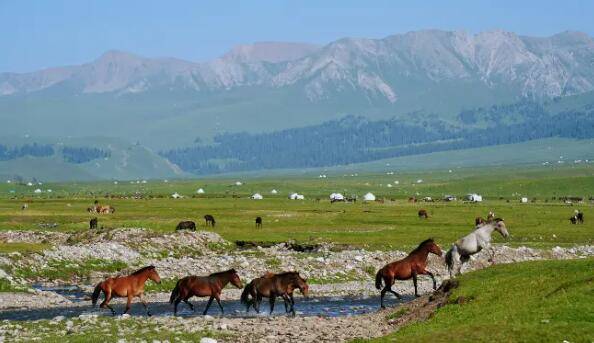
x=39, y=34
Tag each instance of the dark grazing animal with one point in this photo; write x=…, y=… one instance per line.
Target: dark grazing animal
x=409, y=267
x=258, y=222
x=423, y=214
x=126, y=286
x=203, y=286
x=186, y=225
x=209, y=220
x=578, y=217
x=93, y=224
x=272, y=286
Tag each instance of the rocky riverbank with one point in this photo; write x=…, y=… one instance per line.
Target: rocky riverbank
x=85, y=258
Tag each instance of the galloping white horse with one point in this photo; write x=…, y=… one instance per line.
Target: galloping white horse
x=472, y=243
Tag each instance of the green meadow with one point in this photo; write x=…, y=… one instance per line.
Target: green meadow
x=392, y=223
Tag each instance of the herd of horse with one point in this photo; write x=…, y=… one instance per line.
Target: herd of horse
x=272, y=286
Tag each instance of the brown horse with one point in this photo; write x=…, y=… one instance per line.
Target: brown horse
x=409, y=267
x=126, y=286
x=423, y=214
x=186, y=225
x=272, y=286
x=258, y=222
x=209, y=220
x=203, y=286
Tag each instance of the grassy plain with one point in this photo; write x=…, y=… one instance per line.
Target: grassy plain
x=391, y=224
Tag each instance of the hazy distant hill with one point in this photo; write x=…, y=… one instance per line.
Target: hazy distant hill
x=417, y=76
x=93, y=158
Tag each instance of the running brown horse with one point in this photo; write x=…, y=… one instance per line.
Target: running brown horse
x=272, y=286
x=409, y=267
x=203, y=286
x=126, y=286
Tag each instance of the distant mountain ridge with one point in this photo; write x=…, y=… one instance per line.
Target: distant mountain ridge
x=542, y=67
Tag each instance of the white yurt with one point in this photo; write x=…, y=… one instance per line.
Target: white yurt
x=336, y=196
x=37, y=191
x=200, y=191
x=274, y=191
x=369, y=197
x=296, y=196
x=524, y=200
x=176, y=195
x=474, y=197
x=238, y=183
x=257, y=196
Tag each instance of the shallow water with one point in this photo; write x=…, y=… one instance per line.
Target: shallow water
x=311, y=306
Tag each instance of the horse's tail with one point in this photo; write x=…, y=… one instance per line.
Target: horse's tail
x=246, y=293
x=96, y=293
x=448, y=258
x=378, y=279
x=174, y=293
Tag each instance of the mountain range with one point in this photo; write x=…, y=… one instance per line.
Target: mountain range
x=418, y=78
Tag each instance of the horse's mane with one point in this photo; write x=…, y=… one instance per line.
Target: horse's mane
x=143, y=270
x=427, y=241
x=288, y=274
x=232, y=270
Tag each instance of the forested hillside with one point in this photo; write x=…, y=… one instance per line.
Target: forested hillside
x=355, y=139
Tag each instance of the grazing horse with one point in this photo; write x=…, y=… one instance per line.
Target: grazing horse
x=186, y=225
x=203, y=286
x=126, y=286
x=272, y=286
x=93, y=223
x=409, y=267
x=258, y=222
x=209, y=220
x=578, y=217
x=472, y=243
x=423, y=214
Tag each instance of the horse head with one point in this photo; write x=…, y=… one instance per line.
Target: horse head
x=500, y=227
x=301, y=283
x=153, y=275
x=235, y=280
x=434, y=248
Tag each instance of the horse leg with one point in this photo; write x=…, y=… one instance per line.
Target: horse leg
x=286, y=300
x=208, y=305
x=128, y=303
x=105, y=302
x=189, y=304
x=414, y=277
x=175, y=303
x=384, y=290
x=292, y=304
x=463, y=259
x=258, y=302
x=432, y=278
x=218, y=299
x=148, y=313
x=272, y=299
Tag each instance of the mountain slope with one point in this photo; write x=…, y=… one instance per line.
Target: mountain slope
x=121, y=161
x=417, y=77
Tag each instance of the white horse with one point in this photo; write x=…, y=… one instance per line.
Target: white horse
x=472, y=243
